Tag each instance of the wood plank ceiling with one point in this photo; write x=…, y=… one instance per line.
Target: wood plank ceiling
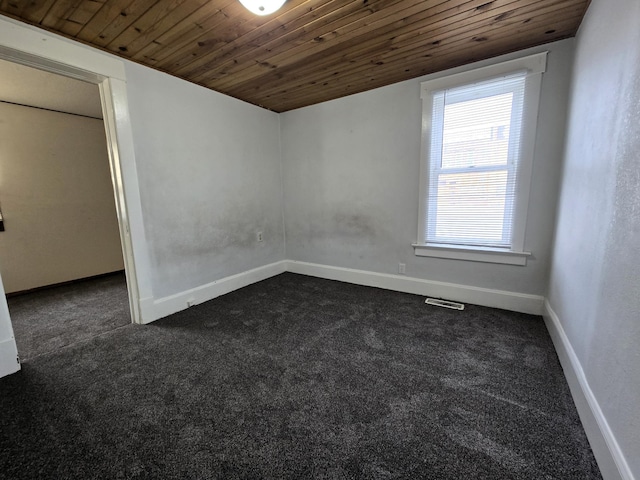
x=310, y=51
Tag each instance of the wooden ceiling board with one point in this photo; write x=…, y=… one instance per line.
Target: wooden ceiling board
x=214, y=38
x=57, y=14
x=429, y=60
x=414, y=54
x=310, y=51
x=467, y=44
x=148, y=29
x=304, y=44
x=82, y=14
x=121, y=22
x=365, y=80
x=367, y=49
x=266, y=40
x=166, y=42
x=103, y=17
x=316, y=41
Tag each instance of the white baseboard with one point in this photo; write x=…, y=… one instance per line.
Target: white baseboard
x=8, y=357
x=609, y=456
x=517, y=302
x=152, y=310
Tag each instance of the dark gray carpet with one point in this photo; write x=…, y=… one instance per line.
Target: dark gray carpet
x=296, y=378
x=51, y=318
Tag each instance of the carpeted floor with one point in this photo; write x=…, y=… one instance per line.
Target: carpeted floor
x=49, y=319
x=297, y=377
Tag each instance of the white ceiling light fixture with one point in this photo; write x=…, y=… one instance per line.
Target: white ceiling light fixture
x=262, y=7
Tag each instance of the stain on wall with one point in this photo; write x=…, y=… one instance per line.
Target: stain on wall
x=350, y=229
x=357, y=225
x=209, y=181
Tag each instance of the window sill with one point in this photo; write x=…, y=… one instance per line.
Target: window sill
x=474, y=254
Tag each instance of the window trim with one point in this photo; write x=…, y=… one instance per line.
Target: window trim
x=534, y=65
x=471, y=253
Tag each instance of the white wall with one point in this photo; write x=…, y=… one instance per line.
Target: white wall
x=595, y=284
x=209, y=174
x=8, y=350
x=351, y=182
x=56, y=198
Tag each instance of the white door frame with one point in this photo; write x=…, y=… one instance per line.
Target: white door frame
x=33, y=47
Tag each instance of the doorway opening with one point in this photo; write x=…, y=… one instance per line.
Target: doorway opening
x=64, y=251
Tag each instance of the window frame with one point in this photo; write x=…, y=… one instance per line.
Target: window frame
x=534, y=66
x=436, y=169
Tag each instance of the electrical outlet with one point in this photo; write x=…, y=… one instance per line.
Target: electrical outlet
x=259, y=236
x=402, y=268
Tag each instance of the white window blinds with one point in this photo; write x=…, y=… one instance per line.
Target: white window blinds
x=474, y=154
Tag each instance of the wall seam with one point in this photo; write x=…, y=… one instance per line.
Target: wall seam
x=284, y=227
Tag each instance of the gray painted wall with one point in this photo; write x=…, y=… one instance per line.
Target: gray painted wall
x=209, y=173
x=595, y=284
x=351, y=183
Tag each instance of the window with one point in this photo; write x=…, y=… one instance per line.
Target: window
x=478, y=135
